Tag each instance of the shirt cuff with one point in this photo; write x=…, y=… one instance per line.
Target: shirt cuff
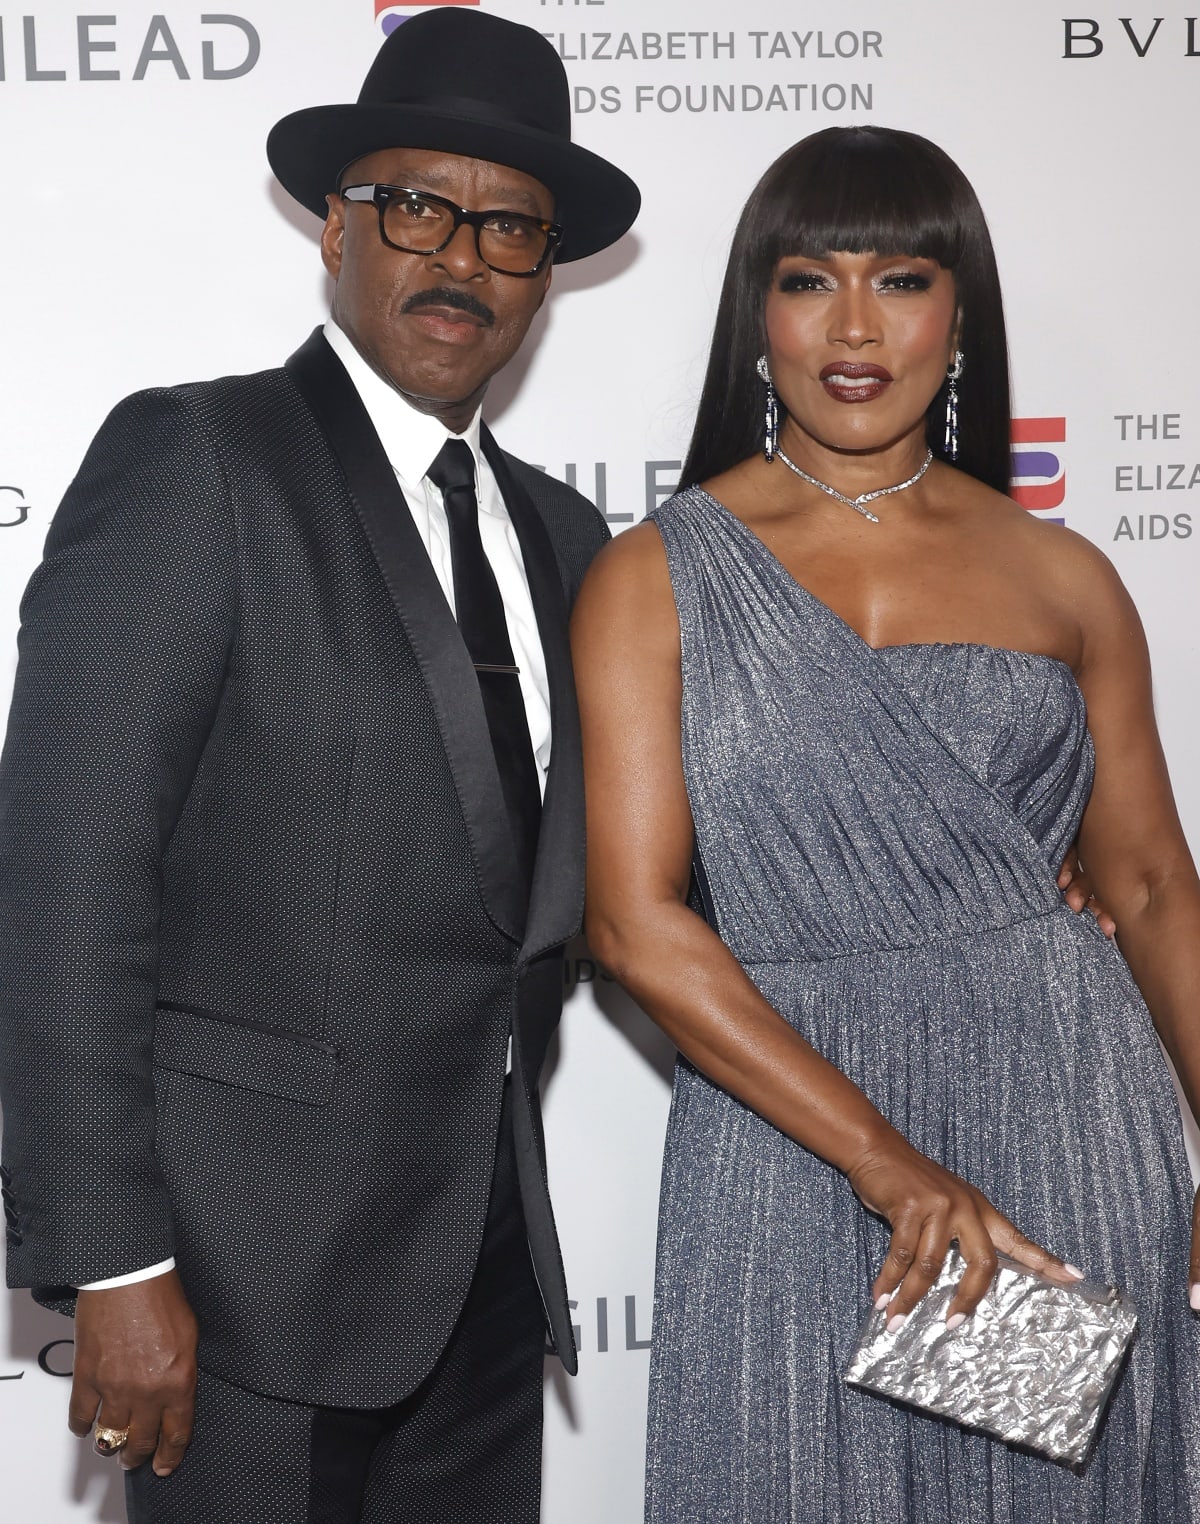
x=131, y=1278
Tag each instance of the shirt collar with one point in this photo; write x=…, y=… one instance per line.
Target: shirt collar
x=411, y=439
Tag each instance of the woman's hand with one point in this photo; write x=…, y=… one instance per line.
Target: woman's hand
x=928, y=1208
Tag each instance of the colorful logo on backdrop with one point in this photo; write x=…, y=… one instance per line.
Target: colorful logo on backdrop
x=1039, y=475
x=390, y=15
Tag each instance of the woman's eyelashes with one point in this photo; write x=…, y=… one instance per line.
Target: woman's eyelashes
x=818, y=280
x=903, y=280
x=805, y=280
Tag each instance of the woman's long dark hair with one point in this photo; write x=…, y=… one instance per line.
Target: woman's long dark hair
x=858, y=190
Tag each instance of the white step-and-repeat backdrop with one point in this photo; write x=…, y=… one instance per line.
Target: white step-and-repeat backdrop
x=144, y=242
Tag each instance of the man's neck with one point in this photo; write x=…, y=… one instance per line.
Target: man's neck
x=457, y=416
x=384, y=399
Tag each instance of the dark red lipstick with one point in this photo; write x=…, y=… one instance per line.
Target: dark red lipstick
x=848, y=381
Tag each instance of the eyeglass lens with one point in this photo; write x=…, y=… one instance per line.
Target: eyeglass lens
x=506, y=242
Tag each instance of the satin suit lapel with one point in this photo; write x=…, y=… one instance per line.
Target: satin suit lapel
x=555, y=908
x=556, y=903
x=428, y=623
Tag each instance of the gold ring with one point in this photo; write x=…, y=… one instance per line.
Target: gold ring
x=109, y=1441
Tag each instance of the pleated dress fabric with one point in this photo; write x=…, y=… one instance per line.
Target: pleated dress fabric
x=881, y=832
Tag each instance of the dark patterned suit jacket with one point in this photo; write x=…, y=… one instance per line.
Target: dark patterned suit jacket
x=262, y=945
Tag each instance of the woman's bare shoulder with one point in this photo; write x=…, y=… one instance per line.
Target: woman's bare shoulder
x=1045, y=547
x=635, y=555
x=629, y=585
x=1078, y=569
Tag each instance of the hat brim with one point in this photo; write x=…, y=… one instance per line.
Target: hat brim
x=594, y=200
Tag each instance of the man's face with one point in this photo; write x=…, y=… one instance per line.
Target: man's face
x=436, y=326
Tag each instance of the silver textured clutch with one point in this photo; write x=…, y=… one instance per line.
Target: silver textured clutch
x=1034, y=1365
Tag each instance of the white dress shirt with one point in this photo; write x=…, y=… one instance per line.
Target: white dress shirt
x=412, y=441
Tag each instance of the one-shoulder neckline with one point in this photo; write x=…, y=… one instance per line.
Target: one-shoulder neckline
x=908, y=645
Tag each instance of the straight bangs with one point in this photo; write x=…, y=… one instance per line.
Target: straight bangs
x=863, y=191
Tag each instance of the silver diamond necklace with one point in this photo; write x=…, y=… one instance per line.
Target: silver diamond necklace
x=859, y=504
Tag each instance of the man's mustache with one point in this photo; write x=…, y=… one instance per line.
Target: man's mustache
x=447, y=296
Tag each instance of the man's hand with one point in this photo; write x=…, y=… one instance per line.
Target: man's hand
x=135, y=1368
x=1077, y=891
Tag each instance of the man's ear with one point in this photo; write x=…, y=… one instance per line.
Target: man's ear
x=332, y=235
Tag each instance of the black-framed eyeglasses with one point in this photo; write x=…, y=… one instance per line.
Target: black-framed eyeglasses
x=418, y=222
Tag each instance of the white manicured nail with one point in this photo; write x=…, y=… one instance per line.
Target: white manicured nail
x=1075, y=1271
x=897, y=1323
x=1194, y=1298
x=882, y=1301
x=956, y=1321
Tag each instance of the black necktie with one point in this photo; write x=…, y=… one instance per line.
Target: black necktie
x=480, y=613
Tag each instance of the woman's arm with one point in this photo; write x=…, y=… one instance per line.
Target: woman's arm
x=625, y=640
x=1131, y=841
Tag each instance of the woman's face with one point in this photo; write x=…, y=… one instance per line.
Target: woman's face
x=858, y=344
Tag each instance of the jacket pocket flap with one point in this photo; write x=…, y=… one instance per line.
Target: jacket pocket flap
x=253, y=1057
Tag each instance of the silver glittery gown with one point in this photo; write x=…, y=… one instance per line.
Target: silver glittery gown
x=881, y=830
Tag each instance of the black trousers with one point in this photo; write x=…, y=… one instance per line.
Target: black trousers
x=464, y=1448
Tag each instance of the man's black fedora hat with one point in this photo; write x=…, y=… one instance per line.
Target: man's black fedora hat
x=466, y=83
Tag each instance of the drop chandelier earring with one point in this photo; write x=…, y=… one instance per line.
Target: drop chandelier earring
x=771, y=438
x=950, y=448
